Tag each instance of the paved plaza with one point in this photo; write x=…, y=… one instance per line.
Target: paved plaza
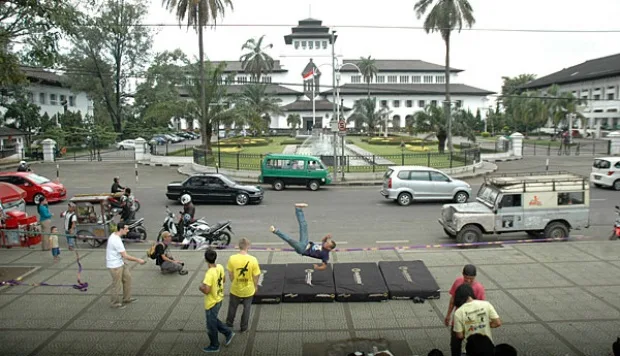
x=560, y=298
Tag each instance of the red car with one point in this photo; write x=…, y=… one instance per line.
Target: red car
x=36, y=186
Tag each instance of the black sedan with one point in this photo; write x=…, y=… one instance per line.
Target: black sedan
x=215, y=188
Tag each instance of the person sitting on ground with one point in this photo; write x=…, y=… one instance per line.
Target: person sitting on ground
x=505, y=350
x=479, y=345
x=305, y=247
x=473, y=316
x=164, y=259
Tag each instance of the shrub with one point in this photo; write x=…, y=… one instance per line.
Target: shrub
x=485, y=134
x=245, y=141
x=231, y=149
x=291, y=142
x=417, y=148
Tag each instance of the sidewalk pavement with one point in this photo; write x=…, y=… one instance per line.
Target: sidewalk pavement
x=351, y=179
x=555, y=299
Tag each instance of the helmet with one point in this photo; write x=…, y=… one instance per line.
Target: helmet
x=186, y=199
x=187, y=218
x=23, y=163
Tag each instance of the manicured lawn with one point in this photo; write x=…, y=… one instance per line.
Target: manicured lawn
x=272, y=147
x=385, y=149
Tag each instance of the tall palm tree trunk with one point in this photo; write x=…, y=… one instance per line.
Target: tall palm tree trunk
x=447, y=107
x=205, y=127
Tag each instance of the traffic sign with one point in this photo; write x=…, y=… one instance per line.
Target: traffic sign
x=342, y=126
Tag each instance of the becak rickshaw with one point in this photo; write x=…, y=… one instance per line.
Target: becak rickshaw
x=94, y=218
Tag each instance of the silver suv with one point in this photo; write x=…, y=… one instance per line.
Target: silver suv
x=407, y=183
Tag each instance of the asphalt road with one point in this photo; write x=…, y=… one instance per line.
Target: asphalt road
x=356, y=216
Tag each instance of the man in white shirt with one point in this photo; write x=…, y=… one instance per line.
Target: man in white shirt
x=115, y=255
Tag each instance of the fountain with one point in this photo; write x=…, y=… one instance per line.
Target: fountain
x=322, y=145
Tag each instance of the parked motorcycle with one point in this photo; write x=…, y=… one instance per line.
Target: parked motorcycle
x=116, y=208
x=200, y=236
x=170, y=225
x=615, y=235
x=136, y=230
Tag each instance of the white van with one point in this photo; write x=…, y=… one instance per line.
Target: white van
x=606, y=172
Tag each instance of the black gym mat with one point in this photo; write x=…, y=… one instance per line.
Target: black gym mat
x=270, y=284
x=409, y=279
x=303, y=284
x=359, y=282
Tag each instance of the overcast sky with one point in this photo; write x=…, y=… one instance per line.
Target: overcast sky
x=485, y=56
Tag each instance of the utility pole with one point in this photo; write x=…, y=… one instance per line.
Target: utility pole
x=334, y=122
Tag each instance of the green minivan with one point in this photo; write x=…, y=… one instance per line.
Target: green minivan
x=281, y=170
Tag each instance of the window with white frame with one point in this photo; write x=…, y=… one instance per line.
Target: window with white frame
x=317, y=44
x=428, y=79
x=303, y=44
x=310, y=44
x=266, y=79
x=404, y=79
x=459, y=103
x=63, y=98
x=53, y=99
x=440, y=79
x=434, y=102
x=409, y=103
x=324, y=44
x=242, y=80
x=421, y=103
x=396, y=103
x=355, y=79
x=392, y=78
x=417, y=79
x=42, y=98
x=71, y=100
x=380, y=79
x=384, y=103
x=30, y=96
x=296, y=44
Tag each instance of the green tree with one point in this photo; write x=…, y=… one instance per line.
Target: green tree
x=366, y=113
x=293, y=120
x=199, y=13
x=253, y=107
x=369, y=70
x=22, y=114
x=432, y=119
x=512, y=87
x=559, y=104
x=256, y=61
x=111, y=49
x=444, y=17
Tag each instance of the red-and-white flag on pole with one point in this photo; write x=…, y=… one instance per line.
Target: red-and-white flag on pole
x=310, y=74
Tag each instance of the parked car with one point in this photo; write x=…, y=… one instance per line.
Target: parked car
x=404, y=184
x=36, y=186
x=12, y=197
x=185, y=135
x=158, y=140
x=212, y=188
x=126, y=145
x=606, y=172
x=176, y=138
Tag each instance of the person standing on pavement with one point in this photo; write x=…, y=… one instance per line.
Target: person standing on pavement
x=45, y=218
x=468, y=277
x=164, y=260
x=70, y=224
x=213, y=288
x=244, y=271
x=115, y=255
x=473, y=316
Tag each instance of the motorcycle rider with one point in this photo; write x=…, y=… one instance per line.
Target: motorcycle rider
x=116, y=186
x=23, y=167
x=187, y=215
x=127, y=204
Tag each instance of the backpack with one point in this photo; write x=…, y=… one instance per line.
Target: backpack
x=152, y=251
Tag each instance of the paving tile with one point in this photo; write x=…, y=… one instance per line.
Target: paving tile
x=98, y=281
x=496, y=256
x=21, y=343
x=610, y=294
x=141, y=315
x=153, y=282
x=587, y=273
x=530, y=275
x=189, y=315
x=357, y=256
x=43, y=311
x=191, y=343
x=421, y=341
x=533, y=340
x=509, y=311
x=393, y=314
x=266, y=344
x=309, y=316
x=38, y=276
x=14, y=255
x=445, y=276
x=550, y=304
x=89, y=259
x=554, y=252
x=5, y=299
x=591, y=338
x=95, y=343
x=442, y=258
x=44, y=258
x=605, y=250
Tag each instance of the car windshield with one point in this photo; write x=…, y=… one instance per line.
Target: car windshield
x=488, y=194
x=38, y=179
x=228, y=181
x=388, y=173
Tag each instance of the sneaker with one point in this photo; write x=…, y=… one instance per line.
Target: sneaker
x=130, y=300
x=211, y=349
x=301, y=205
x=117, y=306
x=183, y=272
x=229, y=338
x=272, y=228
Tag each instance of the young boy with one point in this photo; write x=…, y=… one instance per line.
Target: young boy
x=305, y=247
x=53, y=242
x=213, y=288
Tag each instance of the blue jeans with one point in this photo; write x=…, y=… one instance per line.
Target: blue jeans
x=299, y=246
x=70, y=239
x=214, y=325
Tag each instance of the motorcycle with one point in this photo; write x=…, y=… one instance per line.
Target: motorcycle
x=136, y=230
x=201, y=236
x=615, y=235
x=115, y=204
x=170, y=225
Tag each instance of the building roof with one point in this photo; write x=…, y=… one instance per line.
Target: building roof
x=237, y=67
x=309, y=29
x=400, y=65
x=306, y=105
x=41, y=75
x=598, y=68
x=8, y=131
x=272, y=89
x=404, y=89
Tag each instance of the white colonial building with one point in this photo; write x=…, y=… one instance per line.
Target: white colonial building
x=402, y=86
x=597, y=83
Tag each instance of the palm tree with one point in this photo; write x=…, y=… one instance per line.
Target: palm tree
x=368, y=67
x=444, y=17
x=365, y=112
x=256, y=61
x=432, y=119
x=254, y=106
x=199, y=13
x=293, y=120
x=560, y=104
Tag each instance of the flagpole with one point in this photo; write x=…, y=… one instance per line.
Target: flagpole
x=313, y=103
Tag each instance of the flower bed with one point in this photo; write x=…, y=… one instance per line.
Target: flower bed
x=397, y=140
x=244, y=141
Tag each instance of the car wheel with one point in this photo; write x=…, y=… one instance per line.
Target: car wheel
x=121, y=148
x=37, y=198
x=461, y=197
x=597, y=185
x=556, y=230
x=278, y=185
x=313, y=185
x=469, y=234
x=404, y=199
x=242, y=199
x=617, y=185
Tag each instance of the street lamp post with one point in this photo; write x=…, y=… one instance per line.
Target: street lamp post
x=334, y=123
x=341, y=102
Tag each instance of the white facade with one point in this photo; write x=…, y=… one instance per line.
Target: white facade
x=602, y=101
x=50, y=99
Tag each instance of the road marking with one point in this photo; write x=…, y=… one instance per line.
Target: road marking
x=392, y=241
x=282, y=243
x=599, y=199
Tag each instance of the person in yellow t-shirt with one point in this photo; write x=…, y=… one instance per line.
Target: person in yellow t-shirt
x=473, y=316
x=244, y=271
x=213, y=288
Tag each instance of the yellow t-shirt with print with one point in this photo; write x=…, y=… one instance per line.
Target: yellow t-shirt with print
x=244, y=268
x=214, y=278
x=474, y=318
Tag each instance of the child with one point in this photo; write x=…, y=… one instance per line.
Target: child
x=53, y=240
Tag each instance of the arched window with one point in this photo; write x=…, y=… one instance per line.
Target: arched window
x=396, y=121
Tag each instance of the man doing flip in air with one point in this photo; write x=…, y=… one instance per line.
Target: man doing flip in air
x=305, y=247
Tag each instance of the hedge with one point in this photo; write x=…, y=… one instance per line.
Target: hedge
x=291, y=142
x=234, y=142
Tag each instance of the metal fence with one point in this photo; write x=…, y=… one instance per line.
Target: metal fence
x=593, y=147
x=350, y=163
